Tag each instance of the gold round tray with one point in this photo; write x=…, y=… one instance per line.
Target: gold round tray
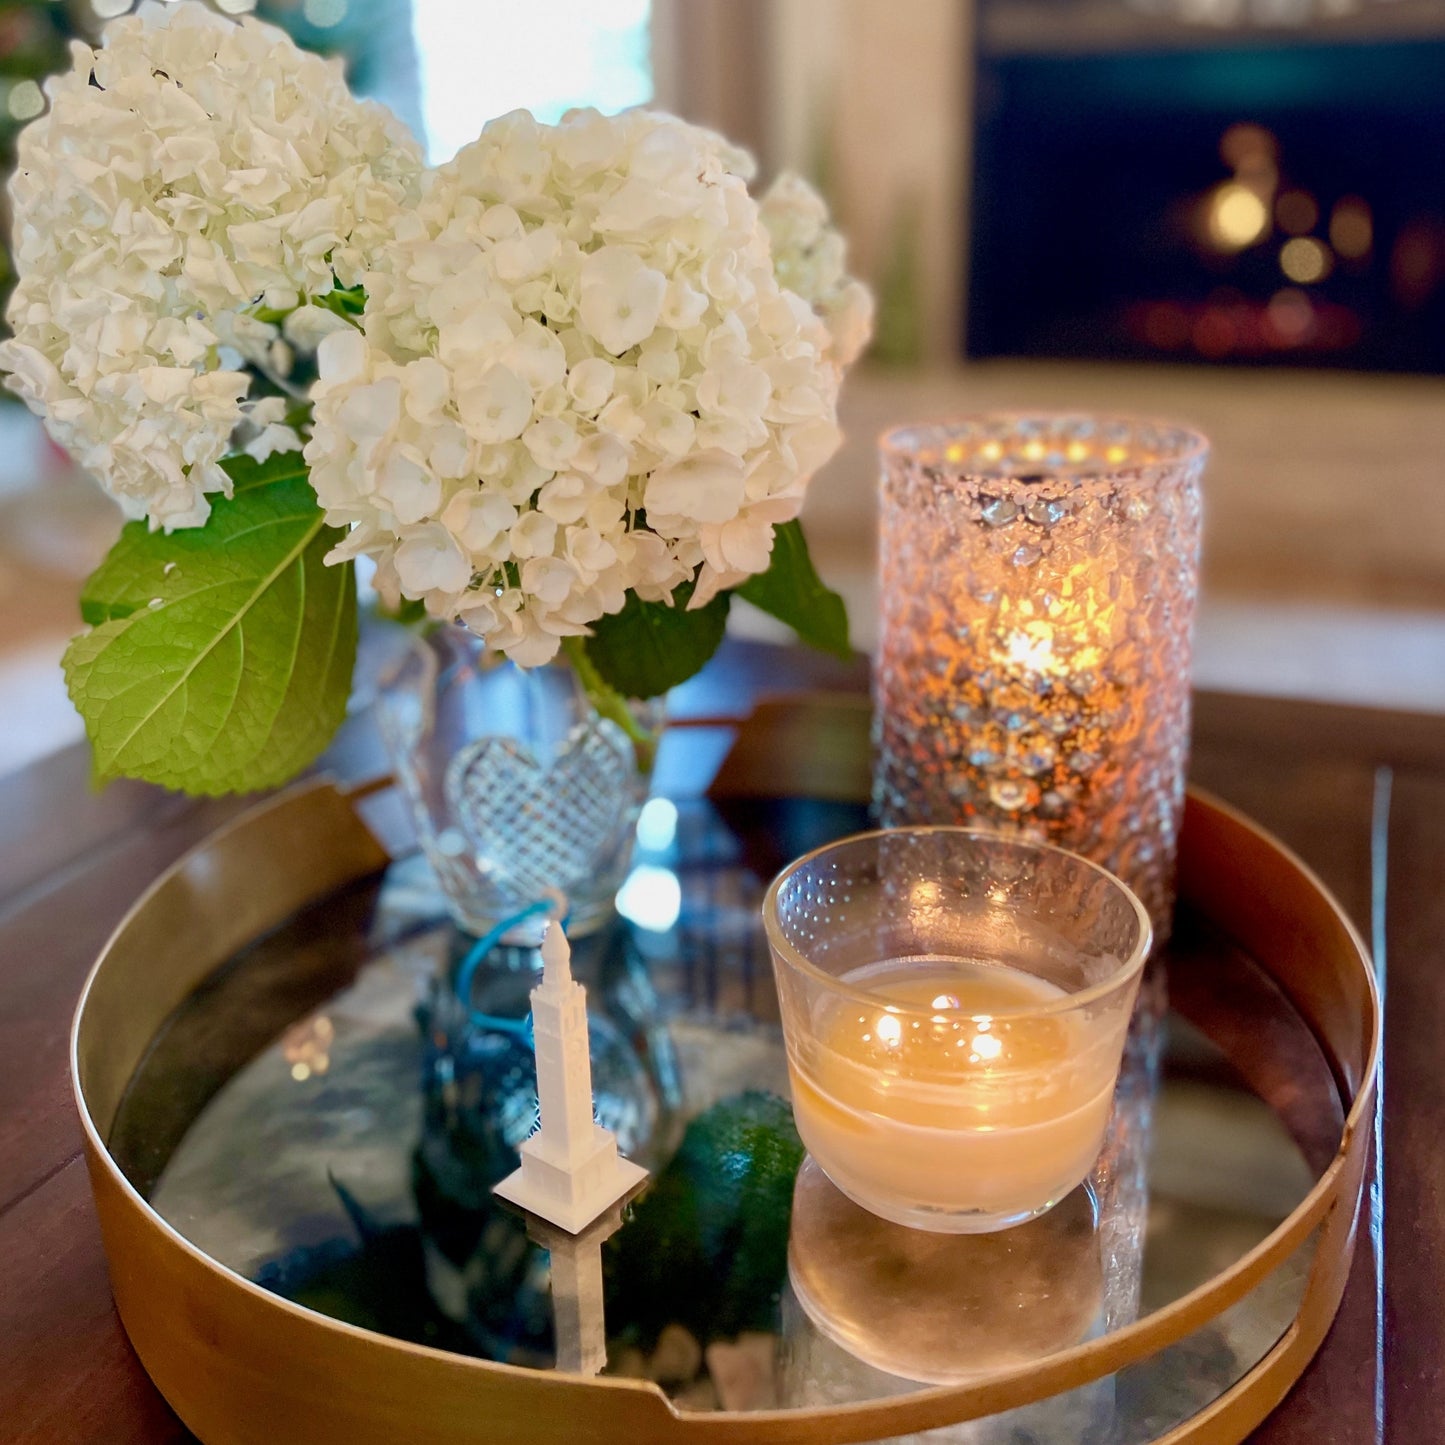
x=240, y=1364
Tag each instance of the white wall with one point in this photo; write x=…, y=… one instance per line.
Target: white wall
x=891, y=84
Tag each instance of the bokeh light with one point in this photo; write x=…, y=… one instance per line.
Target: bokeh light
x=1417, y=263
x=25, y=101
x=1166, y=326
x=1249, y=148
x=1215, y=332
x=1305, y=260
x=1237, y=217
x=1297, y=212
x=657, y=825
x=324, y=13
x=1291, y=317
x=1352, y=228
x=651, y=897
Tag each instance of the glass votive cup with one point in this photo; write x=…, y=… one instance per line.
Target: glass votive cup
x=954, y=1006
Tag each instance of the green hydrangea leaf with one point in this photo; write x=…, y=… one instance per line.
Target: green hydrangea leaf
x=220, y=657
x=649, y=647
x=792, y=591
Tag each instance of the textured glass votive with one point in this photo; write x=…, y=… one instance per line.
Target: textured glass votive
x=1038, y=581
x=954, y=1006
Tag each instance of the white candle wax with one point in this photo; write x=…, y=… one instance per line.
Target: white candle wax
x=966, y=1091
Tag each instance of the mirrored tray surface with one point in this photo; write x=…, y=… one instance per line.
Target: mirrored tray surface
x=323, y=1118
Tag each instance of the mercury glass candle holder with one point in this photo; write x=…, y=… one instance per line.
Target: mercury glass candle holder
x=1038, y=585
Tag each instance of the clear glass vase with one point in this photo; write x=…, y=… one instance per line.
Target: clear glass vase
x=518, y=787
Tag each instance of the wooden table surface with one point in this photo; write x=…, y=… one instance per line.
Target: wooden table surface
x=1359, y=794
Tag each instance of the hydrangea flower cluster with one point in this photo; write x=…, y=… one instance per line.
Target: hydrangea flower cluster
x=809, y=256
x=583, y=372
x=189, y=175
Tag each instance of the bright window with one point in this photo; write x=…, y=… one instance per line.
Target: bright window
x=482, y=58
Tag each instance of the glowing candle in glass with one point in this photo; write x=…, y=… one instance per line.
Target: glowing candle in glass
x=1038, y=580
x=954, y=1005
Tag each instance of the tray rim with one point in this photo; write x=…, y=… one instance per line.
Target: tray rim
x=248, y=1361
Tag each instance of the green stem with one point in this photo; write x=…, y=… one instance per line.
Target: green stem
x=610, y=703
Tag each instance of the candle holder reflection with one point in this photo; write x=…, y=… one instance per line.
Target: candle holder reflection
x=944, y=1309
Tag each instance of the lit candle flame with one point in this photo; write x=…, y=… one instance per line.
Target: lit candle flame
x=1035, y=654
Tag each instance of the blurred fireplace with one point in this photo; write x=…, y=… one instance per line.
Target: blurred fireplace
x=1266, y=202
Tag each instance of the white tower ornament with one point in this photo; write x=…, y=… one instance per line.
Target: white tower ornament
x=571, y=1170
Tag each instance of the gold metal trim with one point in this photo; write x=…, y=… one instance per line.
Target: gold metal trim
x=243, y=1367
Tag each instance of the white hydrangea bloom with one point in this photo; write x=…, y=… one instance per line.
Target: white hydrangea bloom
x=188, y=173
x=580, y=376
x=811, y=259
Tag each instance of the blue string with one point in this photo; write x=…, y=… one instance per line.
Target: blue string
x=467, y=972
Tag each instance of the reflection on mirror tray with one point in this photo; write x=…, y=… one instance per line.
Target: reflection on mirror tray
x=344, y=1155
x=940, y=1308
